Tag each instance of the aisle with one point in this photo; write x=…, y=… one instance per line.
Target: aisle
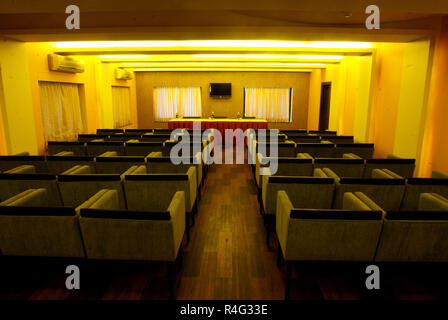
x=227, y=257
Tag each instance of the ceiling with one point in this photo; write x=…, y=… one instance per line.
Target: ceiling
x=324, y=20
x=205, y=20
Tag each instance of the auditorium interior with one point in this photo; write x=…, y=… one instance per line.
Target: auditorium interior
x=341, y=125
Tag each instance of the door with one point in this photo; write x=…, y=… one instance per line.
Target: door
x=324, y=114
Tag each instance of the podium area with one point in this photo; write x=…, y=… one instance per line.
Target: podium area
x=220, y=124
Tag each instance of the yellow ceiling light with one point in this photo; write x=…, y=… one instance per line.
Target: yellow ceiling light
x=213, y=43
x=222, y=69
x=280, y=64
x=123, y=56
x=271, y=56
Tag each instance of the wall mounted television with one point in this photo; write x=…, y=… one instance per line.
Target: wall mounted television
x=220, y=90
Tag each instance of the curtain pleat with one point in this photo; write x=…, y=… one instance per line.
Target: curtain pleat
x=185, y=101
x=121, y=104
x=272, y=104
x=61, y=111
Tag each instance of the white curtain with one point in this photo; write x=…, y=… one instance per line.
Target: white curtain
x=61, y=111
x=272, y=104
x=185, y=101
x=121, y=104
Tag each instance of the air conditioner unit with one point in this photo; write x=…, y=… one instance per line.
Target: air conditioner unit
x=124, y=74
x=65, y=64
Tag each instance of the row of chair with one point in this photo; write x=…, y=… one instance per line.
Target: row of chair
x=316, y=150
x=107, y=163
x=361, y=231
x=132, y=131
x=128, y=148
x=95, y=228
x=350, y=166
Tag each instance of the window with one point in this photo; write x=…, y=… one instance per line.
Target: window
x=121, y=105
x=62, y=113
x=272, y=104
x=169, y=101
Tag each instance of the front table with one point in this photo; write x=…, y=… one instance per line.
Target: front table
x=219, y=124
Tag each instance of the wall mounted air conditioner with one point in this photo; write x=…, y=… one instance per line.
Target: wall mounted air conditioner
x=65, y=64
x=124, y=74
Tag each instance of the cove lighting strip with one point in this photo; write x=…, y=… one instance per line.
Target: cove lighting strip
x=144, y=64
x=272, y=56
x=123, y=56
x=214, y=43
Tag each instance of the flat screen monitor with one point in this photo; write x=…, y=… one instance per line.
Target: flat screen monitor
x=220, y=90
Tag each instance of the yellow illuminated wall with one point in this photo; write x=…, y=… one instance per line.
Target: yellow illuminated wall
x=435, y=145
x=96, y=84
x=228, y=107
x=363, y=93
x=350, y=95
x=412, y=105
x=18, y=126
x=314, y=99
x=388, y=65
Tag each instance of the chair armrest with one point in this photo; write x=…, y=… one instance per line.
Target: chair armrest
x=177, y=213
x=318, y=172
x=106, y=199
x=29, y=198
x=283, y=211
x=23, y=169
x=432, y=202
x=359, y=201
x=192, y=184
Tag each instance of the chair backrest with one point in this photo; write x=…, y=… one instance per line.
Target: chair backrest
x=96, y=148
x=344, y=168
x=109, y=131
x=417, y=186
x=291, y=166
x=327, y=234
x=153, y=192
x=402, y=167
x=323, y=132
x=414, y=236
x=162, y=131
x=13, y=184
x=364, y=150
x=134, y=235
x=317, y=234
x=59, y=164
x=138, y=131
x=11, y=162
x=92, y=137
x=304, y=139
x=30, y=230
x=317, y=150
x=337, y=139
x=125, y=137
x=116, y=165
x=77, y=147
x=142, y=148
x=156, y=137
x=165, y=165
x=193, y=147
x=387, y=193
x=294, y=133
x=304, y=192
x=75, y=189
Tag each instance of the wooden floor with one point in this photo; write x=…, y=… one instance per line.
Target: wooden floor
x=227, y=258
